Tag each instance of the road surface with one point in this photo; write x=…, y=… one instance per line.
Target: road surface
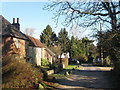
x=88, y=77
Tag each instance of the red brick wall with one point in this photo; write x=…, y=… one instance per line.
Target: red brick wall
x=9, y=47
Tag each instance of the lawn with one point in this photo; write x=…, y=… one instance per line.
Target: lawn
x=62, y=75
x=73, y=66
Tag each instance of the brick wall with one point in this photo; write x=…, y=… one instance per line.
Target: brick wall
x=9, y=47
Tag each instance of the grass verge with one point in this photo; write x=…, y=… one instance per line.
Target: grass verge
x=61, y=75
x=73, y=66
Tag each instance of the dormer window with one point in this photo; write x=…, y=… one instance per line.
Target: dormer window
x=17, y=43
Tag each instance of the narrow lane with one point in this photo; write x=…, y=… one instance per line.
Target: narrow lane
x=88, y=77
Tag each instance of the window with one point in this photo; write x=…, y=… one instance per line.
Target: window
x=17, y=43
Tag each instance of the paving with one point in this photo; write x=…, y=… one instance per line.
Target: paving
x=88, y=77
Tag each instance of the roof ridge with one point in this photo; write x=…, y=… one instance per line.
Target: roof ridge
x=33, y=37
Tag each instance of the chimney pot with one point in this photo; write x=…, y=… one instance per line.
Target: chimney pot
x=13, y=20
x=17, y=20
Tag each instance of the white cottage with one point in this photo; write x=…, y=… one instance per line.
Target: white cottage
x=37, y=50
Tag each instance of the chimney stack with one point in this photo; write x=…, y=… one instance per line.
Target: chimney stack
x=13, y=20
x=17, y=20
x=17, y=25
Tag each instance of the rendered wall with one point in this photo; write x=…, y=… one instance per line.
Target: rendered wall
x=35, y=55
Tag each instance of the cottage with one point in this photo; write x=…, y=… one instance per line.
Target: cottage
x=13, y=40
x=49, y=55
x=37, y=50
x=35, y=47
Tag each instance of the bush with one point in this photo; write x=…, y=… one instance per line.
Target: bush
x=44, y=62
x=107, y=61
x=54, y=65
x=82, y=58
x=18, y=74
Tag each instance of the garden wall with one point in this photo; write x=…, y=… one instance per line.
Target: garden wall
x=65, y=62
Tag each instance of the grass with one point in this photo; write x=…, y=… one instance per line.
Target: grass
x=61, y=75
x=49, y=85
x=72, y=66
x=45, y=67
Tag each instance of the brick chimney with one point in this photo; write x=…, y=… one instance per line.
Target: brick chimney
x=17, y=25
x=13, y=20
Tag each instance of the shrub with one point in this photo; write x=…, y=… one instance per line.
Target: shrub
x=18, y=74
x=54, y=64
x=82, y=58
x=44, y=71
x=44, y=62
x=107, y=61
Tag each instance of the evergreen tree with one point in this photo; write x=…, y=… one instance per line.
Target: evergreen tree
x=76, y=47
x=87, y=44
x=80, y=47
x=48, y=37
x=73, y=47
x=63, y=40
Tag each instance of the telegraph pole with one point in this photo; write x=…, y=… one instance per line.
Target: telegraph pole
x=101, y=49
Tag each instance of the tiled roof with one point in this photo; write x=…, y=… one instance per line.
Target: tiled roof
x=34, y=42
x=10, y=30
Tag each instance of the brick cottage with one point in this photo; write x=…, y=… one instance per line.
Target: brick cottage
x=14, y=42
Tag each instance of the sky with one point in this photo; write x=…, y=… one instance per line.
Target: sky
x=32, y=15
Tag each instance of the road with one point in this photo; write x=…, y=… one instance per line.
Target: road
x=88, y=77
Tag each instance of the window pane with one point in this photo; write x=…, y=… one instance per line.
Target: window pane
x=17, y=43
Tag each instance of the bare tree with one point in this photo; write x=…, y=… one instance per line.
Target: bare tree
x=90, y=13
x=29, y=32
x=86, y=14
x=77, y=32
x=56, y=49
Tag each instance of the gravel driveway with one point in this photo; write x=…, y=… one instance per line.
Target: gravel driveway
x=88, y=77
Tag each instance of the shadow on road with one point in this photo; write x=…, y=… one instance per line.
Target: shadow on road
x=89, y=77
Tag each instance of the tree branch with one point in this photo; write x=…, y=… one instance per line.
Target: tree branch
x=79, y=12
